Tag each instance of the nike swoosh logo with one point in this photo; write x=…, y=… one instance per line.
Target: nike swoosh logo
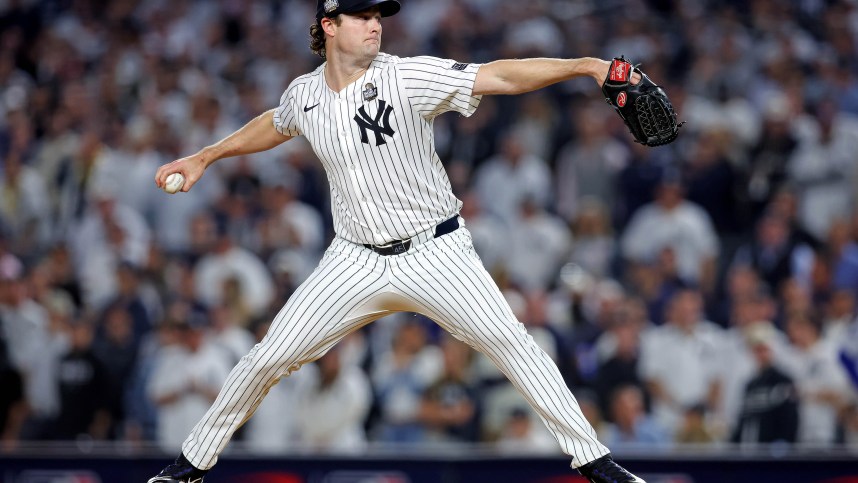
x=310, y=108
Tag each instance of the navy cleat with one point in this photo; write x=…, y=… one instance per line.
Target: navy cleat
x=182, y=471
x=604, y=470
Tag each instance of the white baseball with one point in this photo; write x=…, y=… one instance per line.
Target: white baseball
x=174, y=183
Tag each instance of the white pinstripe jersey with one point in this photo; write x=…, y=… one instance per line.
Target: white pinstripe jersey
x=376, y=142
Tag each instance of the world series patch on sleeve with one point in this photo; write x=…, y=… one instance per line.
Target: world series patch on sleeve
x=644, y=106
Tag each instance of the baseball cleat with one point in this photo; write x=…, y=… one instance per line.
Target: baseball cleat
x=182, y=471
x=604, y=470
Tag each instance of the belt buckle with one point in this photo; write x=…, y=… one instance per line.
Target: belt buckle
x=401, y=247
x=393, y=248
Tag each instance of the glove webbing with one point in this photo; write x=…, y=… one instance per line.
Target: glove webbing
x=654, y=116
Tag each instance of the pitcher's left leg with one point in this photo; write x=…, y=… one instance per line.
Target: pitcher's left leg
x=447, y=279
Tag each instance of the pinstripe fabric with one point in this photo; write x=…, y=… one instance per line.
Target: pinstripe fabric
x=334, y=300
x=448, y=283
x=442, y=279
x=390, y=191
x=376, y=143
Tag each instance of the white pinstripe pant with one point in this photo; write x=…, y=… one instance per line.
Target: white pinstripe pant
x=442, y=279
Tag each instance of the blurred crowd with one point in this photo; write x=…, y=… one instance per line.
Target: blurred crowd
x=700, y=293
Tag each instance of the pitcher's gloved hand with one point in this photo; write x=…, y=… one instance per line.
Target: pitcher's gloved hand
x=644, y=106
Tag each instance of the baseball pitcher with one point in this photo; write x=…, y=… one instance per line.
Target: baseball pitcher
x=400, y=243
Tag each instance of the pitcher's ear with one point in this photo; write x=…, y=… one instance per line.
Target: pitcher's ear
x=328, y=25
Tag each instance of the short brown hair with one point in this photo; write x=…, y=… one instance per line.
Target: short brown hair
x=317, y=36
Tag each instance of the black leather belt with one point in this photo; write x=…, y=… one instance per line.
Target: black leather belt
x=401, y=246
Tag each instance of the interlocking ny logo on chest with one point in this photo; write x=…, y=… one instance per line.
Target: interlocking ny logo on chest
x=379, y=124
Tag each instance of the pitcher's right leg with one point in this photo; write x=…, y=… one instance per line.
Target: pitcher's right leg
x=325, y=308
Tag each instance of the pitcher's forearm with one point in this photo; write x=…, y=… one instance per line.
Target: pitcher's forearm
x=257, y=135
x=516, y=76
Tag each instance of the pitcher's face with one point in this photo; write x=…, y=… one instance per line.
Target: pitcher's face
x=359, y=34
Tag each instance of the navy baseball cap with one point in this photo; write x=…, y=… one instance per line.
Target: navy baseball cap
x=332, y=8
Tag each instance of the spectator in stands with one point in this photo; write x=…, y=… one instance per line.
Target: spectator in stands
x=823, y=169
x=680, y=360
x=73, y=182
x=183, y=211
x=521, y=434
x=34, y=347
x=739, y=281
x=130, y=297
x=129, y=166
x=52, y=159
x=14, y=83
x=400, y=376
x=84, y=388
x=203, y=235
x=785, y=205
x=600, y=303
x=771, y=252
x=657, y=282
x=843, y=250
x=23, y=206
x=227, y=266
x=819, y=277
x=208, y=121
x=637, y=183
x=694, y=429
x=291, y=225
x=537, y=247
x=594, y=243
x=632, y=428
x=108, y=234
x=794, y=297
x=183, y=396
x=45, y=292
x=505, y=180
x=839, y=315
x=332, y=407
x=13, y=409
x=847, y=351
x=474, y=139
x=672, y=222
x=712, y=181
x=770, y=401
x=750, y=311
x=450, y=408
x=850, y=423
x=116, y=349
x=238, y=209
x=822, y=384
x=767, y=170
x=620, y=356
x=63, y=276
x=587, y=165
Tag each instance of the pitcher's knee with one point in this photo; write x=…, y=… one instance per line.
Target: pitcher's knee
x=266, y=359
x=503, y=339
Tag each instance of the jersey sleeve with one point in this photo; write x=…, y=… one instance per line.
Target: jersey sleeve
x=435, y=86
x=284, y=116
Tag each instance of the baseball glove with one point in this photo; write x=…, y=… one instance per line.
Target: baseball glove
x=644, y=106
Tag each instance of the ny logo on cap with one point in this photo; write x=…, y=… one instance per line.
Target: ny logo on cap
x=331, y=5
